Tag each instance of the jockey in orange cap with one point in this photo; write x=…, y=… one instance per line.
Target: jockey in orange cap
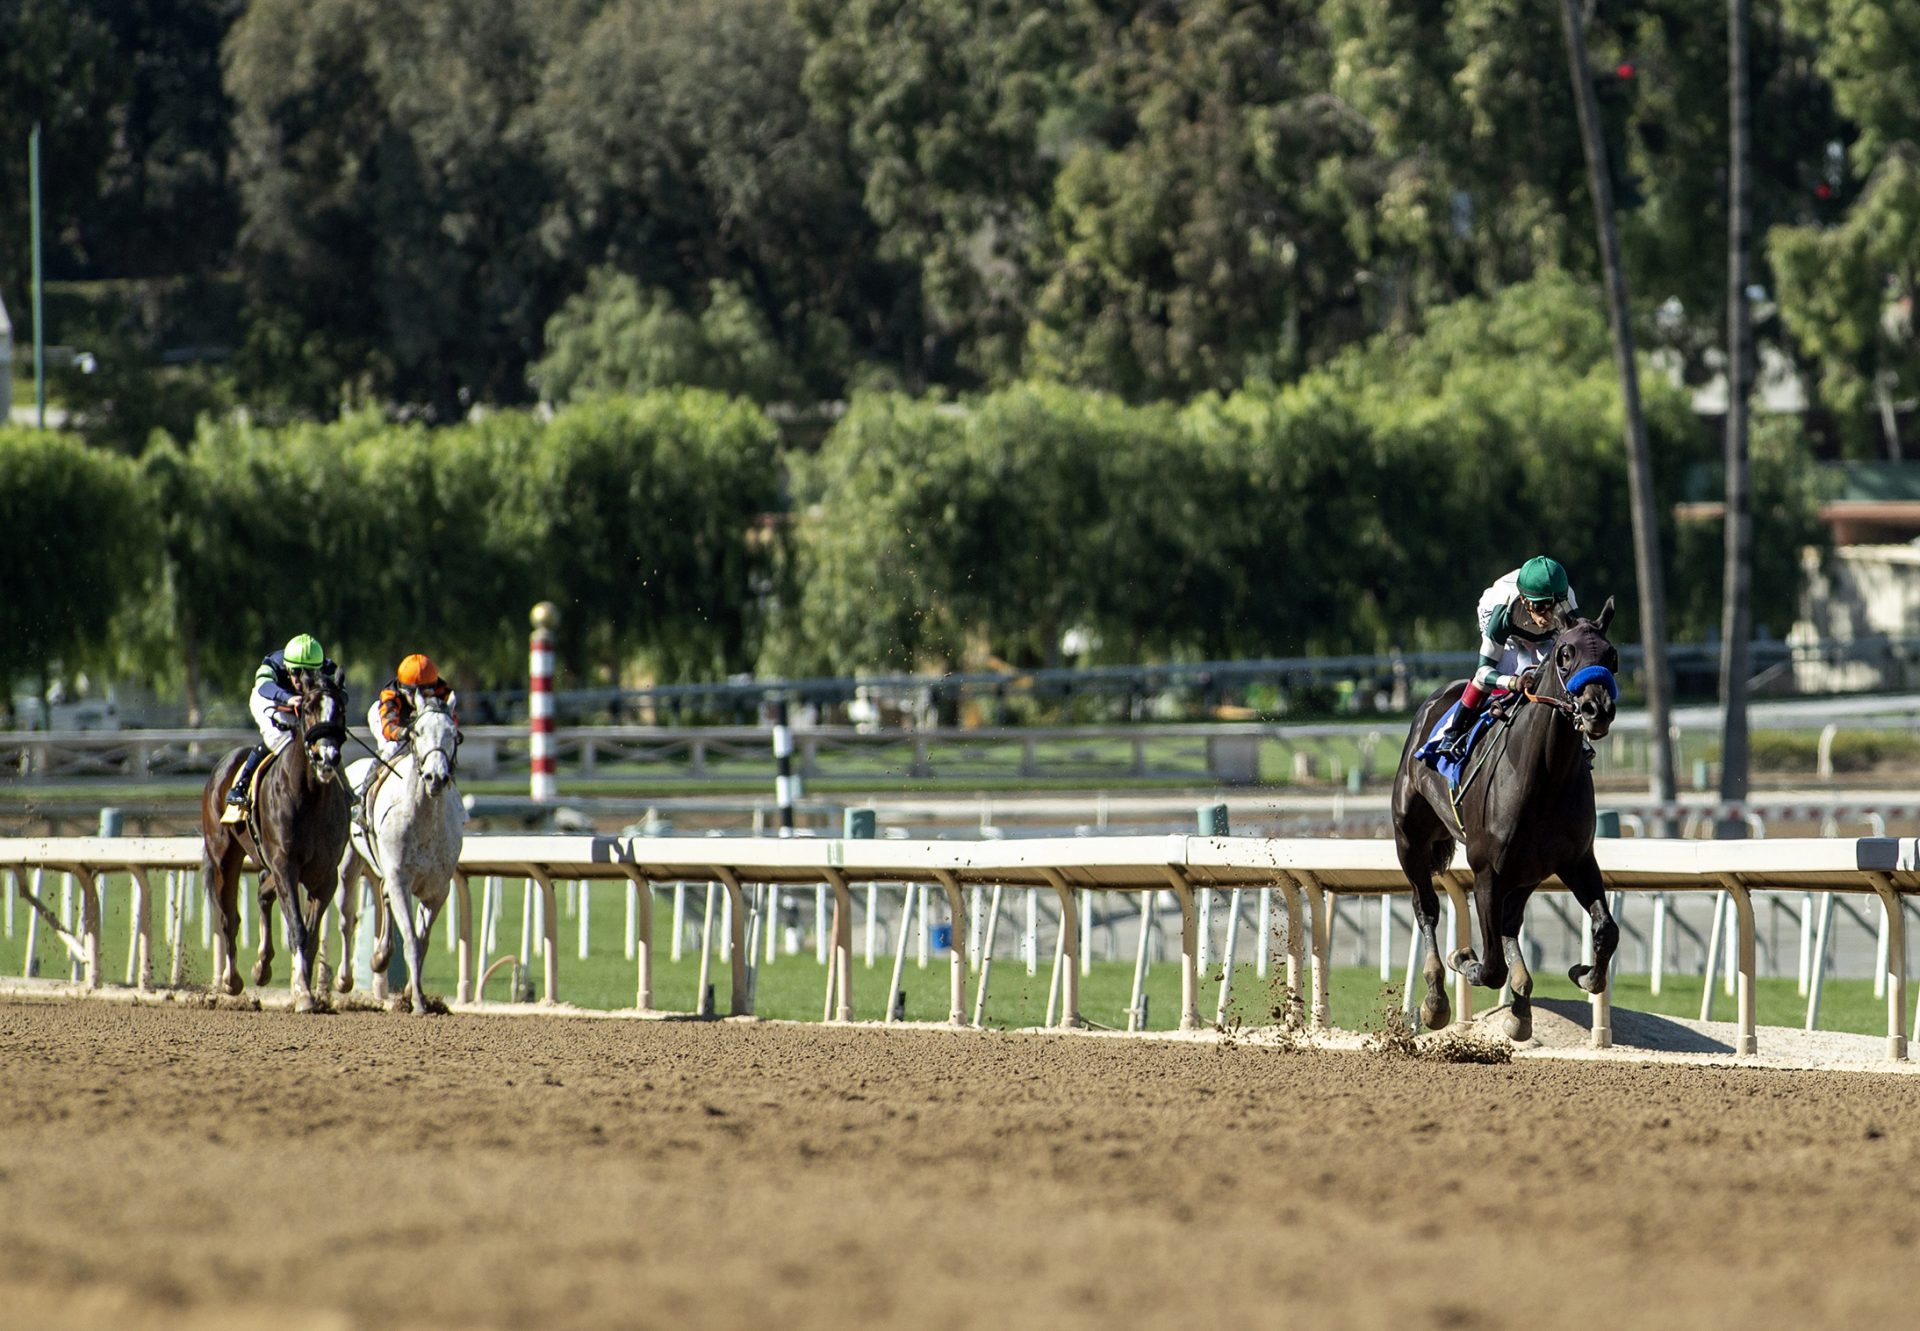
x=392, y=713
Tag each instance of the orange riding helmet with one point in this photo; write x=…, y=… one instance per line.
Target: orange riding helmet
x=417, y=671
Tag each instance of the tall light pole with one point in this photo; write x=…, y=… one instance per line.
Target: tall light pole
x=39, y=320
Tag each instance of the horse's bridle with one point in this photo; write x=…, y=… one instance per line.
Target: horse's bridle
x=1585, y=675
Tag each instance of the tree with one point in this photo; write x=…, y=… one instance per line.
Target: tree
x=687, y=157
x=1737, y=620
x=75, y=538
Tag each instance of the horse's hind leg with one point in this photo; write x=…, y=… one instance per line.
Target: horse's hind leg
x=1590, y=890
x=222, y=882
x=1519, y=1020
x=1416, y=861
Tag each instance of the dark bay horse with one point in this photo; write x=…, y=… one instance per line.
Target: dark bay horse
x=300, y=818
x=1526, y=815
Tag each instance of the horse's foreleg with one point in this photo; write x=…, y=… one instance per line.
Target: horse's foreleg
x=263, y=958
x=1590, y=890
x=1519, y=1020
x=400, y=915
x=1491, y=972
x=348, y=892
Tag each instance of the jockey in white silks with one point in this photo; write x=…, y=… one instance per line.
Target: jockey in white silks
x=1519, y=618
x=272, y=704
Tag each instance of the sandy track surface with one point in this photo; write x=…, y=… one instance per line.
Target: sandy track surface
x=167, y=1167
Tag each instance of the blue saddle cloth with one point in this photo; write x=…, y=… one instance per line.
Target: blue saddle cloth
x=1448, y=765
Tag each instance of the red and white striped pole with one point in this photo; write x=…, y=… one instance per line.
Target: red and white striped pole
x=546, y=618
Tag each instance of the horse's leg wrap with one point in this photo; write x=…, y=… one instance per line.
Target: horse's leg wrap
x=1519, y=1020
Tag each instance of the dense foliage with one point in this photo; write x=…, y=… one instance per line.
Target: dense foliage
x=1195, y=329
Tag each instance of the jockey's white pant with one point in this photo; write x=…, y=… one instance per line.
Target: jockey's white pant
x=265, y=715
x=388, y=749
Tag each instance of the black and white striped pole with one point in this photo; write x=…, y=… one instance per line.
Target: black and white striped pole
x=786, y=786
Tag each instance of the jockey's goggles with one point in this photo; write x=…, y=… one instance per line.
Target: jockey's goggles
x=1538, y=607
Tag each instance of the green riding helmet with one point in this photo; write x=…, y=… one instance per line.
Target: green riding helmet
x=1541, y=579
x=304, y=650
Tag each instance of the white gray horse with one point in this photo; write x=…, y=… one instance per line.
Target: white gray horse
x=410, y=844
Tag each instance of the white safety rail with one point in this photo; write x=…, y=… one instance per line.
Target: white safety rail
x=1307, y=875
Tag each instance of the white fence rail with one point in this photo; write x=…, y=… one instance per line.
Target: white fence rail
x=1304, y=877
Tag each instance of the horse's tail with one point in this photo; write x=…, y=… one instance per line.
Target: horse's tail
x=1443, y=854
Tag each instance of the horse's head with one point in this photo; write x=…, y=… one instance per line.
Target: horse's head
x=435, y=742
x=322, y=724
x=1586, y=663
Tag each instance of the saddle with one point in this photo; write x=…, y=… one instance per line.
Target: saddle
x=1459, y=769
x=248, y=814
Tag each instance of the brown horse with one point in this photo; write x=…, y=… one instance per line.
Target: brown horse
x=300, y=819
x=1525, y=816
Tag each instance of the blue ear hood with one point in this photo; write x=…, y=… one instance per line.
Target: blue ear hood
x=1591, y=675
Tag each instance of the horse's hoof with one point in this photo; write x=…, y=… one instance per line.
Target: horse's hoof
x=233, y=986
x=303, y=1002
x=1587, y=978
x=343, y=982
x=1518, y=1028
x=262, y=973
x=1435, y=1011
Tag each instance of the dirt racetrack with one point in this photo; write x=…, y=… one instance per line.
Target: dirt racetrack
x=170, y=1167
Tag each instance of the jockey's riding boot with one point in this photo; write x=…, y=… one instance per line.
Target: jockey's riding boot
x=1452, y=739
x=237, y=793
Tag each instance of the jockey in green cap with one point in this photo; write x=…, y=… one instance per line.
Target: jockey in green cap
x=272, y=703
x=1519, y=617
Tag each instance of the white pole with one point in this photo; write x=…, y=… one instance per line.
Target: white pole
x=11, y=893
x=925, y=941
x=1882, y=952
x=206, y=914
x=32, y=965
x=1203, y=945
x=1226, y=961
x=66, y=921
x=1711, y=963
x=726, y=927
x=706, y=957
x=633, y=919
x=1805, y=942
x=1056, y=978
x=1030, y=946
x=1657, y=964
x=1730, y=954
x=820, y=940
x=1086, y=936
x=680, y=918
x=178, y=897
x=1139, y=963
x=585, y=898
x=1821, y=943
x=900, y=947
x=1386, y=938
x=1266, y=933
x=773, y=924
x=873, y=921
x=986, y=957
x=528, y=901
